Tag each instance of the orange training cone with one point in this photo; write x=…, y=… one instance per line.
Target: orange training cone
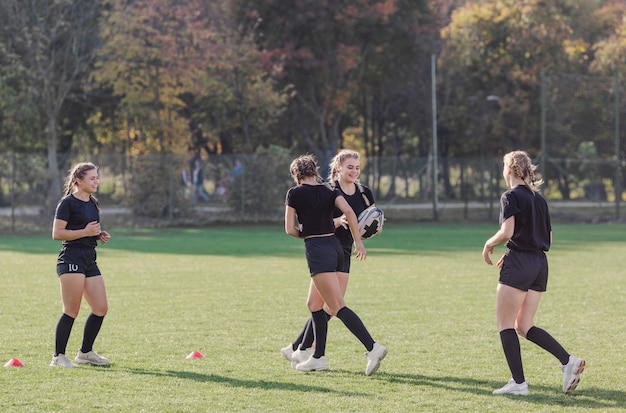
x=14, y=363
x=194, y=355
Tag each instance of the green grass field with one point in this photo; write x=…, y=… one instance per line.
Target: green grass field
x=237, y=294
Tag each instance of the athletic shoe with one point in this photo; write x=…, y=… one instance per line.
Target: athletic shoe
x=516, y=389
x=313, y=364
x=374, y=358
x=300, y=356
x=287, y=352
x=571, y=373
x=62, y=361
x=90, y=357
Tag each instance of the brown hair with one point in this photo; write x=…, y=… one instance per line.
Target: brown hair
x=304, y=166
x=78, y=172
x=521, y=165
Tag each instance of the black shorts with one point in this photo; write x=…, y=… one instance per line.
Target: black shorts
x=323, y=254
x=78, y=261
x=525, y=270
x=347, y=253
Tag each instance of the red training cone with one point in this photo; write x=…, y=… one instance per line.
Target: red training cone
x=194, y=355
x=14, y=363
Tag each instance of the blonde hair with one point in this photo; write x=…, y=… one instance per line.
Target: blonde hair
x=304, y=166
x=522, y=167
x=337, y=161
x=78, y=172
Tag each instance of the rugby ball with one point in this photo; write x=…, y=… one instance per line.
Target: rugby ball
x=371, y=222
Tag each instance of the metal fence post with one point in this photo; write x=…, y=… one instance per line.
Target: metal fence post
x=618, y=174
x=543, y=106
x=435, y=149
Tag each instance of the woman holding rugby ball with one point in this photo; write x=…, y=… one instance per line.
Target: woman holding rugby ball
x=527, y=232
x=312, y=204
x=77, y=224
x=345, y=169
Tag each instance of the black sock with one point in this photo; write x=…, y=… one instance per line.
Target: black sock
x=307, y=326
x=64, y=328
x=510, y=344
x=309, y=336
x=356, y=327
x=320, y=328
x=92, y=328
x=544, y=340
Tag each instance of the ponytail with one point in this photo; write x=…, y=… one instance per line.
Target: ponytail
x=76, y=173
x=521, y=165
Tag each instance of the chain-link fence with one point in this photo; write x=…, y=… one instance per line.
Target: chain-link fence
x=582, y=136
x=160, y=189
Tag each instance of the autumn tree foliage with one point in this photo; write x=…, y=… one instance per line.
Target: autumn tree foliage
x=610, y=48
x=323, y=51
x=140, y=77
x=184, y=76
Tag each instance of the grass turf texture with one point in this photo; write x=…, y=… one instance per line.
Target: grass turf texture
x=238, y=295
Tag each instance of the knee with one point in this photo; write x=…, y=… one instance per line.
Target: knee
x=329, y=311
x=71, y=310
x=522, y=328
x=333, y=308
x=314, y=305
x=100, y=311
x=71, y=313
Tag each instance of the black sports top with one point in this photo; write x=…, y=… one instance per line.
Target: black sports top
x=357, y=203
x=532, y=219
x=314, y=206
x=78, y=214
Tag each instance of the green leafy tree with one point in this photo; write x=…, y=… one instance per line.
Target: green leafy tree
x=499, y=48
x=50, y=46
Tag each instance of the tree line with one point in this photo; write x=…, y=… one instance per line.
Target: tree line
x=235, y=76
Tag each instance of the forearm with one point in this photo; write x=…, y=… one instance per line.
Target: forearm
x=292, y=231
x=498, y=238
x=353, y=224
x=68, y=234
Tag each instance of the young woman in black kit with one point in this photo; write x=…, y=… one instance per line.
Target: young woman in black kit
x=309, y=214
x=527, y=233
x=345, y=169
x=77, y=224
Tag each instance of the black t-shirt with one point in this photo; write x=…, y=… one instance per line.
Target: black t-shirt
x=78, y=214
x=314, y=206
x=357, y=203
x=532, y=219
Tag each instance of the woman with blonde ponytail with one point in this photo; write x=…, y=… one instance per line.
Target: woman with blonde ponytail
x=345, y=169
x=526, y=230
x=77, y=224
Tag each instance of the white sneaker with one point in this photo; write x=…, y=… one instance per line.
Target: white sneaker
x=300, y=356
x=90, y=357
x=287, y=352
x=516, y=389
x=62, y=361
x=313, y=364
x=374, y=358
x=571, y=373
